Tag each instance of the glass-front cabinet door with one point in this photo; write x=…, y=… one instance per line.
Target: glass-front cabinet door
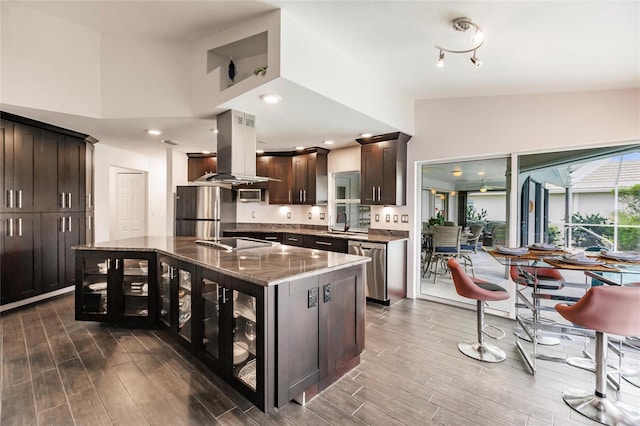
x=175, y=299
x=212, y=298
x=92, y=297
x=134, y=286
x=244, y=338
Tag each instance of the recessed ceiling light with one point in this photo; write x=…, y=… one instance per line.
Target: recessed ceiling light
x=259, y=151
x=457, y=173
x=154, y=132
x=481, y=173
x=299, y=148
x=271, y=98
x=327, y=142
x=365, y=135
x=206, y=152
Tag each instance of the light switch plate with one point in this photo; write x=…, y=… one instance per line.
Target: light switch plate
x=395, y=218
x=288, y=215
x=321, y=216
x=404, y=218
x=309, y=215
x=377, y=217
x=388, y=218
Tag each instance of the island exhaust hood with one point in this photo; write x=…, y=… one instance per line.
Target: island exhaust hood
x=236, y=151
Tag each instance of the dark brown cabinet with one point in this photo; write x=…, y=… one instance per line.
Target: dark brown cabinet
x=176, y=299
x=320, y=329
x=384, y=169
x=326, y=243
x=20, y=256
x=280, y=192
x=293, y=239
x=116, y=287
x=60, y=232
x=17, y=163
x=310, y=178
x=46, y=173
x=199, y=165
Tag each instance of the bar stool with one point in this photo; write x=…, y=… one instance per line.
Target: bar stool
x=604, y=309
x=537, y=279
x=481, y=291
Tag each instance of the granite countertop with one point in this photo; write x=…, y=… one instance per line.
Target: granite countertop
x=264, y=266
x=371, y=237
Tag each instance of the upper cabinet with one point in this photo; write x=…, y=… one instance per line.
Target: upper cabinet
x=310, y=178
x=199, y=164
x=384, y=169
x=17, y=161
x=302, y=178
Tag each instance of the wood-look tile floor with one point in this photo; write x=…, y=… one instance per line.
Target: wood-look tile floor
x=57, y=371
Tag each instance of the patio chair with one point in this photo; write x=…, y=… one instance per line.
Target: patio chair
x=445, y=244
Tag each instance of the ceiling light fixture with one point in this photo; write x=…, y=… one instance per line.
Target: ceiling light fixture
x=463, y=24
x=271, y=98
x=154, y=132
x=480, y=173
x=365, y=135
x=206, y=152
x=457, y=173
x=329, y=142
x=299, y=148
x=483, y=187
x=259, y=151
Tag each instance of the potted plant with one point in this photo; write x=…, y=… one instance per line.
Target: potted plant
x=438, y=220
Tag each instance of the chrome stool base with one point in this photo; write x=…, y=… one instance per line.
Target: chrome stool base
x=482, y=352
x=588, y=364
x=634, y=379
x=601, y=409
x=541, y=340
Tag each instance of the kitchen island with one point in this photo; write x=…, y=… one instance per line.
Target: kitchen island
x=276, y=322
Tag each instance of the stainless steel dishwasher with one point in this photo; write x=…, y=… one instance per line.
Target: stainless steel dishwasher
x=376, y=278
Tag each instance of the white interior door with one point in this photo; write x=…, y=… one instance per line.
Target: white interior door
x=131, y=198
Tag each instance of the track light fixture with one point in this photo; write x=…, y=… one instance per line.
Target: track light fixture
x=463, y=24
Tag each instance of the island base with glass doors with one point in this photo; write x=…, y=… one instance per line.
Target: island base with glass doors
x=273, y=343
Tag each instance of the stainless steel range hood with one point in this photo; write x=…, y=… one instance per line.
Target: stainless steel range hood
x=236, y=151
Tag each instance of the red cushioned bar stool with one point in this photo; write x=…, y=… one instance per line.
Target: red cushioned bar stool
x=604, y=309
x=481, y=291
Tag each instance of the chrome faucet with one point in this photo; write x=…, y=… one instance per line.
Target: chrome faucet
x=346, y=221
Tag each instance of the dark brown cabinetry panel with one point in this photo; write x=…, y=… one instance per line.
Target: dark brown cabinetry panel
x=20, y=256
x=198, y=166
x=280, y=192
x=310, y=178
x=17, y=166
x=60, y=232
x=44, y=181
x=326, y=243
x=293, y=239
x=384, y=169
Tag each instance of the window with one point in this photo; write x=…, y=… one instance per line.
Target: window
x=347, y=197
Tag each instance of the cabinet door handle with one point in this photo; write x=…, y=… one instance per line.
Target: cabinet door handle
x=323, y=243
x=63, y=200
x=10, y=198
x=69, y=200
x=63, y=224
x=89, y=220
x=378, y=193
x=270, y=238
x=89, y=200
x=69, y=224
x=304, y=193
x=19, y=198
x=292, y=239
x=289, y=196
x=117, y=263
x=373, y=193
x=19, y=227
x=10, y=227
x=108, y=264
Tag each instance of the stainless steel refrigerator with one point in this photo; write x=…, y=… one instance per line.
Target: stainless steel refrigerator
x=204, y=211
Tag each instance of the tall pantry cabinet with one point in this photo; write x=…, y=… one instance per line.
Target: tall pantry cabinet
x=46, y=205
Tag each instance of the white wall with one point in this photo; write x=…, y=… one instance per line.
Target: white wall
x=144, y=78
x=500, y=125
x=62, y=70
x=106, y=160
x=334, y=74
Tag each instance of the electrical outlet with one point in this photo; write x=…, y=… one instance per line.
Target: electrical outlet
x=321, y=216
x=395, y=218
x=309, y=215
x=404, y=218
x=388, y=218
x=253, y=215
x=312, y=297
x=288, y=215
x=377, y=217
x=326, y=292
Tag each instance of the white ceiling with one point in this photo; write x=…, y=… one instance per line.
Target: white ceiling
x=531, y=47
